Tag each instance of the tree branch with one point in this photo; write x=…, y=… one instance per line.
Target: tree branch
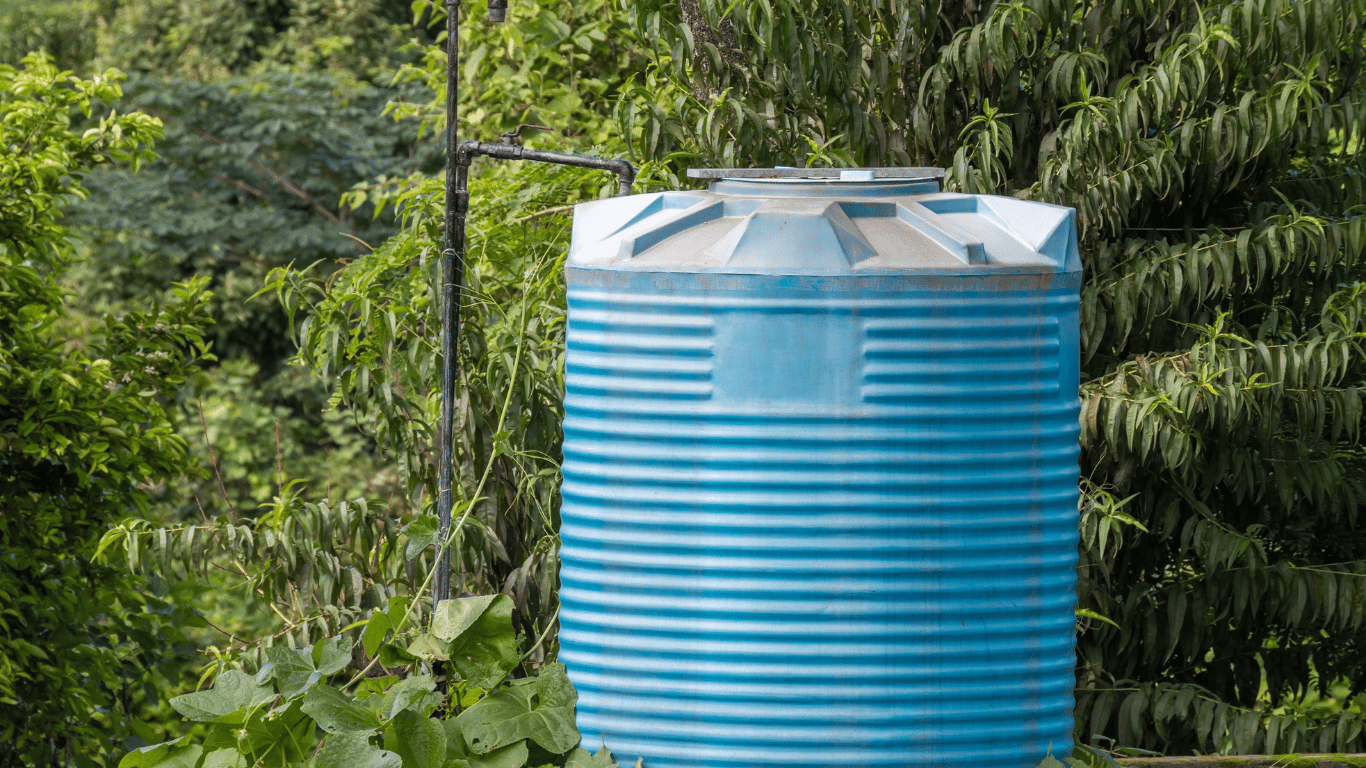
x=723, y=38
x=283, y=182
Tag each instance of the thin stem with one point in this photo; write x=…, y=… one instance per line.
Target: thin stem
x=474, y=498
x=213, y=460
x=545, y=212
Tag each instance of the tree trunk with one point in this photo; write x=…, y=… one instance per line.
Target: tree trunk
x=705, y=79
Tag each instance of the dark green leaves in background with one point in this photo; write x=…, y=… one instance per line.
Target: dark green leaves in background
x=87, y=436
x=1214, y=152
x=295, y=705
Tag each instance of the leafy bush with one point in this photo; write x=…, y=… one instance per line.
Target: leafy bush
x=65, y=31
x=323, y=568
x=273, y=718
x=88, y=434
x=306, y=570
x=251, y=178
x=214, y=39
x=561, y=65
x=1214, y=153
x=371, y=330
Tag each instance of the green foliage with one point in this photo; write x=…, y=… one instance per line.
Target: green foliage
x=272, y=111
x=373, y=330
x=210, y=40
x=254, y=167
x=370, y=328
x=314, y=567
x=63, y=30
x=263, y=432
x=770, y=83
x=1214, y=153
x=296, y=705
x=88, y=436
x=479, y=630
x=255, y=160
x=540, y=710
x=362, y=40
x=561, y=65
x=250, y=179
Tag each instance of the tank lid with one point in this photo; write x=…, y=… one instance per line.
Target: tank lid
x=845, y=228
x=841, y=174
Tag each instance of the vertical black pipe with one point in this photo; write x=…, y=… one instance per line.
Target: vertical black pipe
x=453, y=268
x=452, y=271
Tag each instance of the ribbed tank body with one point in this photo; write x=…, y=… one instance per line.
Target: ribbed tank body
x=821, y=520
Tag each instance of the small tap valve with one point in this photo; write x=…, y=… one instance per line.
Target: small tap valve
x=512, y=136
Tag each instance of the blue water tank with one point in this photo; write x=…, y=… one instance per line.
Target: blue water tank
x=820, y=476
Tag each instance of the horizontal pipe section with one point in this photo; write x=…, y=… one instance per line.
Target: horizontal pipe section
x=626, y=173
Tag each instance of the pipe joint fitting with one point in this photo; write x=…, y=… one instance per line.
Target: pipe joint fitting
x=465, y=153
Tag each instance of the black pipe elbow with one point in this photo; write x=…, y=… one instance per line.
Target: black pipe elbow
x=465, y=153
x=626, y=176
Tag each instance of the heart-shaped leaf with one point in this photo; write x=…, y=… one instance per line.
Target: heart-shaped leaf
x=427, y=646
x=222, y=758
x=337, y=713
x=298, y=669
x=353, y=750
x=582, y=758
x=458, y=752
x=168, y=754
x=414, y=693
x=331, y=655
x=419, y=740
x=232, y=692
x=421, y=533
x=452, y=617
x=541, y=710
x=483, y=644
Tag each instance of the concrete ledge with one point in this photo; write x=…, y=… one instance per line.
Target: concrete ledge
x=1247, y=761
